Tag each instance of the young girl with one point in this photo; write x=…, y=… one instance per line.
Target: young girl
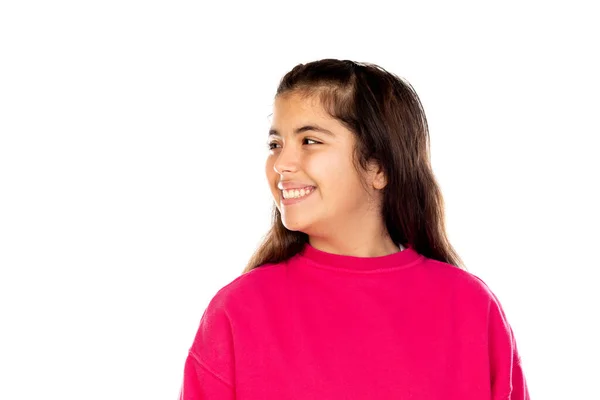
x=355, y=292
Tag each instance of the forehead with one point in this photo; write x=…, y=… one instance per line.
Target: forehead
x=293, y=106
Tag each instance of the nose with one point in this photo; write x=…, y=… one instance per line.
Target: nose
x=286, y=161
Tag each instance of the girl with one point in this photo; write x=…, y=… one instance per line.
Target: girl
x=355, y=292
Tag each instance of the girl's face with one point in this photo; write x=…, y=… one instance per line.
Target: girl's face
x=311, y=152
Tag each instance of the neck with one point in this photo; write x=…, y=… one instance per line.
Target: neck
x=365, y=247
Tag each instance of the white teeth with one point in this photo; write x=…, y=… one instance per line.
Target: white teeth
x=296, y=193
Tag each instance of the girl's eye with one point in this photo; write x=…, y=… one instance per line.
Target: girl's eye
x=272, y=145
x=311, y=140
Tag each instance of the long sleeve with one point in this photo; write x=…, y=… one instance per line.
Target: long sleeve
x=209, y=367
x=199, y=382
x=507, y=377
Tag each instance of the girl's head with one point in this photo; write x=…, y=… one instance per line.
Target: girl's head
x=312, y=163
x=355, y=137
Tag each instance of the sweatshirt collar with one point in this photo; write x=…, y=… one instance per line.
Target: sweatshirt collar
x=398, y=260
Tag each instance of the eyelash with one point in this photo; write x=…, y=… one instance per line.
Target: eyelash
x=270, y=144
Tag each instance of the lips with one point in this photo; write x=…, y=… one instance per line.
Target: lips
x=293, y=185
x=300, y=188
x=294, y=200
x=301, y=191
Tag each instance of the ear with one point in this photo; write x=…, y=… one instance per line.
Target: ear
x=378, y=178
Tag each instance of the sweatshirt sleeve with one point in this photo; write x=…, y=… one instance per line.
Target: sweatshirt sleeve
x=506, y=373
x=209, y=367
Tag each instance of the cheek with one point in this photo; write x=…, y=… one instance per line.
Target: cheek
x=335, y=171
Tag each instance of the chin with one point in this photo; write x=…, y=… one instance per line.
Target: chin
x=294, y=225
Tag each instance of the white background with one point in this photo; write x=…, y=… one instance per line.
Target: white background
x=132, y=144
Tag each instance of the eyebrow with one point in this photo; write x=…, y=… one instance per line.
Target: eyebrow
x=304, y=129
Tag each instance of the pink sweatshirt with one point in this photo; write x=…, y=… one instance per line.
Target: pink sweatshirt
x=327, y=326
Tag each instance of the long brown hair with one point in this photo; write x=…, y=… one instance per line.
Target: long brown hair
x=387, y=117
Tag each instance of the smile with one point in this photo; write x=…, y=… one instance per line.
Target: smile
x=297, y=193
x=294, y=196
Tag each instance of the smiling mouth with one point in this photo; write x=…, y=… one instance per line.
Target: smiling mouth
x=297, y=193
